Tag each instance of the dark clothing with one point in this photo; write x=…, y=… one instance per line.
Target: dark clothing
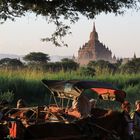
x=136, y=119
x=129, y=127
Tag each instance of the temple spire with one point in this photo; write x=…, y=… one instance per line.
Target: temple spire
x=94, y=29
x=94, y=34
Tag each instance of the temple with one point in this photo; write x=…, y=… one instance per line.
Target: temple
x=94, y=50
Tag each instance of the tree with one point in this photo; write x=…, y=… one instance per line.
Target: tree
x=37, y=58
x=8, y=62
x=69, y=64
x=102, y=67
x=53, y=66
x=87, y=71
x=55, y=10
x=66, y=64
x=132, y=66
x=4, y=61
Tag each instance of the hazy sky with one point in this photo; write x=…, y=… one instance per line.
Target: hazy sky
x=120, y=33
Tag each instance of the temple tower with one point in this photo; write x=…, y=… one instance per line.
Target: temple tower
x=93, y=50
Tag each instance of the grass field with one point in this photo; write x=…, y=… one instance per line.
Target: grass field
x=27, y=83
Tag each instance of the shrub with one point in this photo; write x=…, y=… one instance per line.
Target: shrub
x=8, y=96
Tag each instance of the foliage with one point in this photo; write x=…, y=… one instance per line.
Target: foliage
x=69, y=64
x=31, y=91
x=39, y=61
x=132, y=66
x=87, y=71
x=67, y=8
x=8, y=96
x=133, y=92
x=36, y=59
x=55, y=10
x=54, y=66
x=65, y=65
x=9, y=62
x=26, y=83
x=101, y=67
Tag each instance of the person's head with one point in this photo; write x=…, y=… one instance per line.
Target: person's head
x=137, y=104
x=126, y=106
x=20, y=103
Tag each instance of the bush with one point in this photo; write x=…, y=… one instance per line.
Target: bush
x=8, y=96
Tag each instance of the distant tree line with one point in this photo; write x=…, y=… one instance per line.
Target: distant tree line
x=104, y=67
x=40, y=61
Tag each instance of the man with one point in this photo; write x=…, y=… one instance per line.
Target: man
x=20, y=103
x=126, y=108
x=136, y=119
x=83, y=106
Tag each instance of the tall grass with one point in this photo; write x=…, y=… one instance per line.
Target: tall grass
x=25, y=83
x=38, y=75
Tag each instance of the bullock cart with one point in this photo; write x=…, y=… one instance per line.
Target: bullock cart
x=56, y=121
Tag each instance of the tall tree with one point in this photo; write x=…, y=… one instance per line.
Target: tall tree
x=55, y=10
x=37, y=58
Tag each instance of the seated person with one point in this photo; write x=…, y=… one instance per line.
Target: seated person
x=126, y=108
x=81, y=107
x=20, y=103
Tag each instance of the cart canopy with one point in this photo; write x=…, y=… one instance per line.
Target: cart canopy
x=73, y=88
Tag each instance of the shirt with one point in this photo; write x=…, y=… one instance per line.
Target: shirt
x=129, y=122
x=136, y=118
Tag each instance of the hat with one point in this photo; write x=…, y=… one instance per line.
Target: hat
x=137, y=102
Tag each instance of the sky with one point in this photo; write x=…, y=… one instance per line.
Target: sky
x=121, y=34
